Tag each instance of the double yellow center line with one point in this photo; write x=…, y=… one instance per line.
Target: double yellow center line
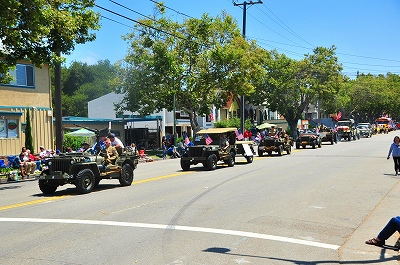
x=49, y=199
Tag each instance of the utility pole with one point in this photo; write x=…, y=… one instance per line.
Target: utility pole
x=244, y=4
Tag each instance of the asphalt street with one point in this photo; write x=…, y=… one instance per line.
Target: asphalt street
x=314, y=206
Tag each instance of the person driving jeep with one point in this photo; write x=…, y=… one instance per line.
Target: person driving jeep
x=224, y=143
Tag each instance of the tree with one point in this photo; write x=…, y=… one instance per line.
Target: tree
x=28, y=133
x=81, y=83
x=38, y=29
x=291, y=85
x=200, y=62
x=41, y=31
x=371, y=96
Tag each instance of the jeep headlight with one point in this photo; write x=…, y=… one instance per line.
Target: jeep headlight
x=71, y=162
x=49, y=163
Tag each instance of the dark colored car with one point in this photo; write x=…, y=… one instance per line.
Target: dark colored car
x=310, y=138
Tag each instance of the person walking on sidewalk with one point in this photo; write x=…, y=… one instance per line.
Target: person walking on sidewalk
x=392, y=226
x=394, y=150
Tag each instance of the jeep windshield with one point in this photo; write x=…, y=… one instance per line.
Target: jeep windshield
x=343, y=123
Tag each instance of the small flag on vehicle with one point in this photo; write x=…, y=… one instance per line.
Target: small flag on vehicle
x=208, y=139
x=239, y=134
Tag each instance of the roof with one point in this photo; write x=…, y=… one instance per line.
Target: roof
x=216, y=130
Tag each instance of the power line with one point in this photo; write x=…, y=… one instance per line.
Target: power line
x=132, y=10
x=138, y=22
x=287, y=28
x=178, y=12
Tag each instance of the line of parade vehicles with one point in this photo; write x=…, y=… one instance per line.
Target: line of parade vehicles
x=85, y=170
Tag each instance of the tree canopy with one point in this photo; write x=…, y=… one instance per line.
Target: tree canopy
x=38, y=29
x=82, y=83
x=290, y=85
x=201, y=62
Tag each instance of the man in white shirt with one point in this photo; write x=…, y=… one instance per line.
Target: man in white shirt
x=115, y=142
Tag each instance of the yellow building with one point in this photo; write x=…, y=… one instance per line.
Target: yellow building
x=30, y=89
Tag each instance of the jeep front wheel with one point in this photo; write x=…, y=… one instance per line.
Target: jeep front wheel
x=260, y=152
x=212, y=162
x=231, y=160
x=288, y=149
x=280, y=150
x=85, y=181
x=47, y=188
x=185, y=165
x=126, y=176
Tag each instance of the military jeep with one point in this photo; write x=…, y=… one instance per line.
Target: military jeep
x=328, y=135
x=309, y=137
x=271, y=144
x=346, y=130
x=85, y=170
x=208, y=149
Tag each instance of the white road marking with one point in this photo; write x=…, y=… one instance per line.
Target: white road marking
x=176, y=227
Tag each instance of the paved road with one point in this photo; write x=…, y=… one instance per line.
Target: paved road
x=310, y=207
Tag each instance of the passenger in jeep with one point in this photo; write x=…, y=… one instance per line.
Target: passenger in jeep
x=111, y=153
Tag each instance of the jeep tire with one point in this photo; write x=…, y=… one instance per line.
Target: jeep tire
x=260, y=152
x=126, y=176
x=185, y=165
x=212, y=162
x=231, y=160
x=85, y=181
x=249, y=159
x=47, y=188
x=280, y=150
x=288, y=149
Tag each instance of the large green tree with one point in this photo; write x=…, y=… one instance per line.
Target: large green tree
x=199, y=62
x=291, y=85
x=369, y=96
x=38, y=29
x=82, y=82
x=42, y=31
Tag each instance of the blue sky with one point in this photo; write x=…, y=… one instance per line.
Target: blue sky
x=366, y=33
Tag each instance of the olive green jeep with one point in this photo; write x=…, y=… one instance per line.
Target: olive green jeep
x=85, y=170
x=208, y=149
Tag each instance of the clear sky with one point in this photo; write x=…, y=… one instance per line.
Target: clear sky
x=365, y=32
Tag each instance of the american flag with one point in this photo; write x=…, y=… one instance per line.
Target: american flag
x=208, y=140
x=187, y=140
x=338, y=116
x=239, y=134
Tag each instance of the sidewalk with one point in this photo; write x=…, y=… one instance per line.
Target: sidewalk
x=355, y=251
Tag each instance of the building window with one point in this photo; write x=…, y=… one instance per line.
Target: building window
x=23, y=75
x=8, y=128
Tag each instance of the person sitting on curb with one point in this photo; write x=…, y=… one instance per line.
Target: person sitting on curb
x=19, y=164
x=392, y=226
